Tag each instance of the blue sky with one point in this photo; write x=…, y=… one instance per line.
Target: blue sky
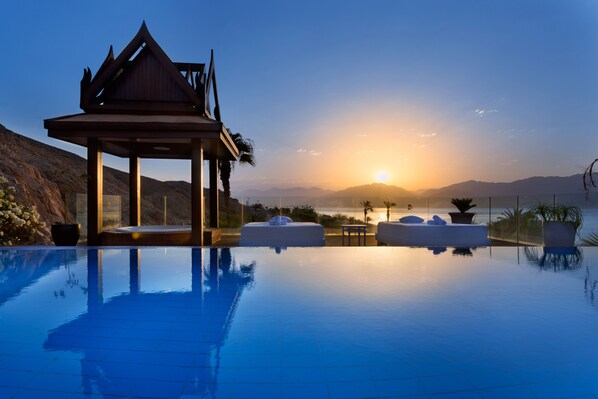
x=335, y=92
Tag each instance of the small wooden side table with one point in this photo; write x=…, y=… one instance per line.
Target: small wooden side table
x=357, y=229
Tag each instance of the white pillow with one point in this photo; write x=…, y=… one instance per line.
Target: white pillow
x=280, y=220
x=411, y=219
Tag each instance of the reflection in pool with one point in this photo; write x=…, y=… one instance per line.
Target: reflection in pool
x=307, y=322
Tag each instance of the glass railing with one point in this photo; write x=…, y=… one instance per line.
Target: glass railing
x=508, y=217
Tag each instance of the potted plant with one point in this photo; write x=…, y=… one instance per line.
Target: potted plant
x=463, y=205
x=560, y=223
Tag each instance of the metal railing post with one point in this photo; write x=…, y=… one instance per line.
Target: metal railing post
x=517, y=220
x=165, y=210
x=489, y=216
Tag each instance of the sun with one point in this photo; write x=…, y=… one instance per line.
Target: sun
x=381, y=176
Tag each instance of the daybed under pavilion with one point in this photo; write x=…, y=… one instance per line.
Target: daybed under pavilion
x=142, y=105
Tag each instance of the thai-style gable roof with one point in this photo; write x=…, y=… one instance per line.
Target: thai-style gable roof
x=141, y=103
x=143, y=79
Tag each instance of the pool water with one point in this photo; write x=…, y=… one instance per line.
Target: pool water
x=375, y=322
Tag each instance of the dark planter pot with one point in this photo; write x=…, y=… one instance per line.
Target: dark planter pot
x=461, y=218
x=65, y=234
x=558, y=234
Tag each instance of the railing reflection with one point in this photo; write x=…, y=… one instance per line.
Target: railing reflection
x=140, y=336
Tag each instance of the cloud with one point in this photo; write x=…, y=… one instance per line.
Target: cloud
x=510, y=162
x=313, y=153
x=481, y=112
x=427, y=135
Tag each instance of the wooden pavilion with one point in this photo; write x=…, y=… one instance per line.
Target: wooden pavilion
x=142, y=105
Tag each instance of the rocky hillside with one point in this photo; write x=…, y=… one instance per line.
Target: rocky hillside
x=46, y=176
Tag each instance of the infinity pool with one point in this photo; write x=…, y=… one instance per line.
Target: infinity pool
x=375, y=322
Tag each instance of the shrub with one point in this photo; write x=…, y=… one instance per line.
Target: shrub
x=18, y=223
x=304, y=213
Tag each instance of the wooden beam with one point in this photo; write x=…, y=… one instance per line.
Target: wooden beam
x=214, y=204
x=197, y=202
x=95, y=180
x=134, y=191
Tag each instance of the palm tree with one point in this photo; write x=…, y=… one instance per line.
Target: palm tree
x=388, y=205
x=245, y=147
x=367, y=206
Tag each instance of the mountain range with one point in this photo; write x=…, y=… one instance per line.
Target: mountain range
x=380, y=192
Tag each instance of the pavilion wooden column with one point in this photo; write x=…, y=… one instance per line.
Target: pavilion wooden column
x=95, y=180
x=134, y=191
x=134, y=271
x=214, y=204
x=197, y=203
x=95, y=280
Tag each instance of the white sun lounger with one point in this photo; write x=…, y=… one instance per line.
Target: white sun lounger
x=295, y=234
x=425, y=235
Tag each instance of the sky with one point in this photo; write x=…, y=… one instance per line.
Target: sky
x=419, y=94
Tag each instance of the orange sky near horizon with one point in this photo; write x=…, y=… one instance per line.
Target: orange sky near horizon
x=416, y=146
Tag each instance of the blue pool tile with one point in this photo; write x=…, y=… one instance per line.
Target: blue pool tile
x=53, y=382
x=508, y=392
x=566, y=388
x=347, y=374
x=8, y=392
x=460, y=395
x=264, y=360
x=41, y=393
x=305, y=390
x=352, y=390
x=16, y=378
x=157, y=389
x=302, y=360
x=265, y=391
x=446, y=384
x=255, y=375
x=391, y=371
x=24, y=363
x=163, y=372
x=303, y=375
x=493, y=378
x=400, y=387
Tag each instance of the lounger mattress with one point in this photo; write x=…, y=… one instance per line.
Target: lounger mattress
x=426, y=235
x=296, y=234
